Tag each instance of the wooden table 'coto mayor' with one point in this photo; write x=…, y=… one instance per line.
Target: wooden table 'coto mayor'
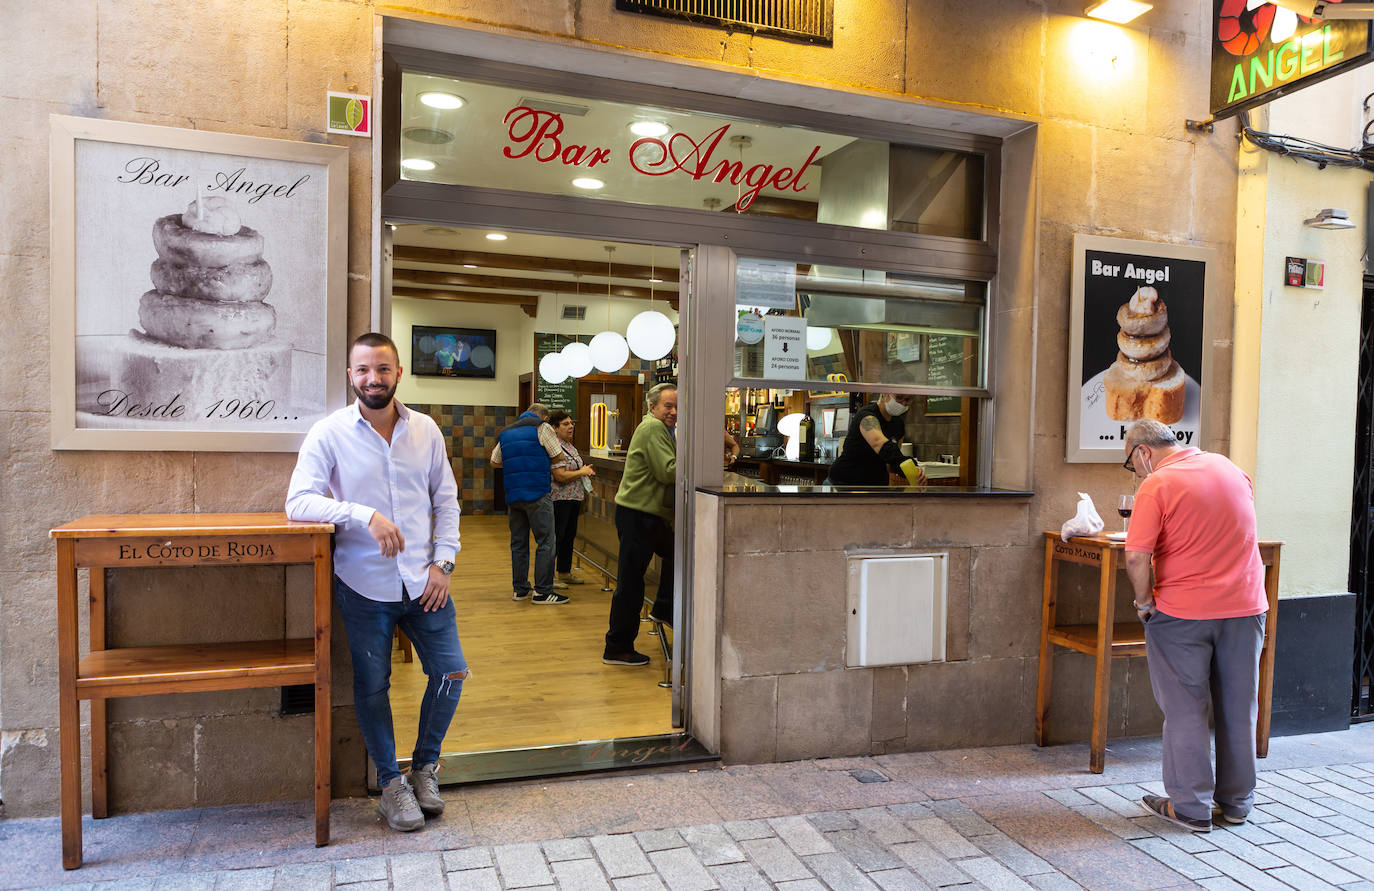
x=1105, y=639
x=100, y=542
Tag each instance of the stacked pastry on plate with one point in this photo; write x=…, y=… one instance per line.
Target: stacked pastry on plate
x=208, y=334
x=1145, y=381
x=209, y=281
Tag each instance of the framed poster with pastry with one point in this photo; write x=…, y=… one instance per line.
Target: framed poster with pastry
x=199, y=283
x=1137, y=342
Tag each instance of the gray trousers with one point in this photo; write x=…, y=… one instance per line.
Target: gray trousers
x=525, y=517
x=1192, y=662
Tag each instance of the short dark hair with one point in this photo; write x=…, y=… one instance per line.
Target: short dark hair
x=373, y=339
x=558, y=417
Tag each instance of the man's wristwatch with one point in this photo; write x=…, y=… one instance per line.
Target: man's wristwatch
x=445, y=566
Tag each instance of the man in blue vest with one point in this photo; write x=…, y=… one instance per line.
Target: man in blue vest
x=528, y=450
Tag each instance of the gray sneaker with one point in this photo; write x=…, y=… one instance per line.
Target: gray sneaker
x=426, y=786
x=399, y=808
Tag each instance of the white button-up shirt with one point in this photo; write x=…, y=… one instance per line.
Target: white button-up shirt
x=346, y=472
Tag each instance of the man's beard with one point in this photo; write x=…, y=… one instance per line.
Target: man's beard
x=374, y=401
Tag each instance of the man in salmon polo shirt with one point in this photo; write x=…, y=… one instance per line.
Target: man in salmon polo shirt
x=1194, y=518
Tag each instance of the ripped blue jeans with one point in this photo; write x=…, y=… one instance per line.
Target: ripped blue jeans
x=370, y=626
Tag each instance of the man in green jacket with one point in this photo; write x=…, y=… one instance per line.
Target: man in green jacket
x=644, y=522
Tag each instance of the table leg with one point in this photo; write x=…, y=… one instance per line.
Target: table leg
x=99, y=727
x=323, y=732
x=68, y=711
x=1045, y=675
x=1102, y=678
x=1266, y=665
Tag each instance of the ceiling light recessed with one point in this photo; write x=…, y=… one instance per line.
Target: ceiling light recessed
x=419, y=164
x=427, y=135
x=497, y=236
x=442, y=100
x=650, y=129
x=588, y=182
x=1118, y=11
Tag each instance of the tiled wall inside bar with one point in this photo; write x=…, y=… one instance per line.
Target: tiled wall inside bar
x=470, y=435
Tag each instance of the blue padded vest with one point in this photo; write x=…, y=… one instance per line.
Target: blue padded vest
x=524, y=461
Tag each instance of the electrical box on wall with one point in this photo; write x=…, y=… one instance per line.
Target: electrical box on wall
x=896, y=609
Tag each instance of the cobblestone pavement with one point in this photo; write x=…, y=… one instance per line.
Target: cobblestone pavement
x=1003, y=818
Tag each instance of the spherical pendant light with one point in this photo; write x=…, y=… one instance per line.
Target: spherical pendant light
x=577, y=359
x=551, y=369
x=610, y=352
x=651, y=335
x=817, y=338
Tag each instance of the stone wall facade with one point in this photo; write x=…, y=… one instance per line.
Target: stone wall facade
x=1111, y=157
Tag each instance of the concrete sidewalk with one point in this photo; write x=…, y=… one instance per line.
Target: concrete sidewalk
x=1016, y=817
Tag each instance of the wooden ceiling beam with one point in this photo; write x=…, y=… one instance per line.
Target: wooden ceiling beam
x=524, y=263
x=527, y=302
x=552, y=285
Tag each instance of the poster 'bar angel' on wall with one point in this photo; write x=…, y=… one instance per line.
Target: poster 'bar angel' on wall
x=1137, y=342
x=198, y=287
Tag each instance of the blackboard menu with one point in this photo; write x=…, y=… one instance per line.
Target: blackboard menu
x=945, y=353
x=556, y=396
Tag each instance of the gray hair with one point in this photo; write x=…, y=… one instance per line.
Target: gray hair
x=1151, y=433
x=540, y=409
x=657, y=391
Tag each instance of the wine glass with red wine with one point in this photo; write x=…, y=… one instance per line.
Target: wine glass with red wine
x=1123, y=507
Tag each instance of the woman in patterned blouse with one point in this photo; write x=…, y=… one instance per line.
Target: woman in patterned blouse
x=571, y=483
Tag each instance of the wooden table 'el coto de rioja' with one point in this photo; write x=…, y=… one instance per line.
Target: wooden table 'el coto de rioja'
x=100, y=542
x=1105, y=638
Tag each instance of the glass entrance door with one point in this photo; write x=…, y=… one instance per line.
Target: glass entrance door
x=488, y=321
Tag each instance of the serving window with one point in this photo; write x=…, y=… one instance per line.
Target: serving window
x=851, y=340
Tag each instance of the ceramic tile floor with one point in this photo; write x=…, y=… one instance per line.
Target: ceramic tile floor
x=1015, y=817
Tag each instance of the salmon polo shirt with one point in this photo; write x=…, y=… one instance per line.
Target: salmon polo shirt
x=1196, y=514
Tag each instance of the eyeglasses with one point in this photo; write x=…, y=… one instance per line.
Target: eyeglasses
x=1129, y=457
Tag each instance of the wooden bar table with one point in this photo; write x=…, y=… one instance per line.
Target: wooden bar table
x=101, y=542
x=1106, y=639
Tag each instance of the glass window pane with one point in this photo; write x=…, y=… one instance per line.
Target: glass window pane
x=476, y=134
x=771, y=445
x=858, y=326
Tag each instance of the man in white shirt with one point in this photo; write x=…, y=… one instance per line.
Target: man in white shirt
x=380, y=473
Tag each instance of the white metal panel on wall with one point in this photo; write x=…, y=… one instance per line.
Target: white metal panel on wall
x=896, y=609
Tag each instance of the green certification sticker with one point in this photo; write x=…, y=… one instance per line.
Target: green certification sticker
x=350, y=113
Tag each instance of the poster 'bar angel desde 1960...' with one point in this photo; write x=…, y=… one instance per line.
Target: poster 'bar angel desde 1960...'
x=198, y=287
x=1137, y=343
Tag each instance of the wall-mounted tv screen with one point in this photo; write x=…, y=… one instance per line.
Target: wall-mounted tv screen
x=452, y=352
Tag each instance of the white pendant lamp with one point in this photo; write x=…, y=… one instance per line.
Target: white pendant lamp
x=577, y=359
x=651, y=334
x=610, y=352
x=551, y=369
x=817, y=338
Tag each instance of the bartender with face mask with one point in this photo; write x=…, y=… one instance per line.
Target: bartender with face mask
x=872, y=452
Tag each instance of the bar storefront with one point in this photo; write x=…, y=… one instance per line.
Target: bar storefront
x=824, y=263
x=810, y=241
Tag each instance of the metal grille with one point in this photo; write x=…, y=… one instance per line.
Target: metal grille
x=811, y=21
x=1362, y=519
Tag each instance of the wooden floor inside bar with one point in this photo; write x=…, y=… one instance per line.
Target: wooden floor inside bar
x=537, y=677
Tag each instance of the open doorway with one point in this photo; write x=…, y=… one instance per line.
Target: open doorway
x=474, y=313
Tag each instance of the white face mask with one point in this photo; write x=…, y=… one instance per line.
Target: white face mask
x=894, y=408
